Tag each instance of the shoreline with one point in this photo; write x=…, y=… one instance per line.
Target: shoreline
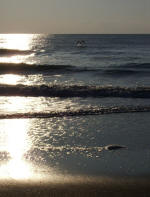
x=89, y=188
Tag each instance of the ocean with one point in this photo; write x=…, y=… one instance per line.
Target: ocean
x=69, y=111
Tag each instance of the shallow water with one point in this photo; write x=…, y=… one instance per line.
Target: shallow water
x=67, y=146
x=62, y=106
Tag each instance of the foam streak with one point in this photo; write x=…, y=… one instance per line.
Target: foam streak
x=81, y=112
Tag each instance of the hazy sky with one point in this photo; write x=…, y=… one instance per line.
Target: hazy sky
x=75, y=16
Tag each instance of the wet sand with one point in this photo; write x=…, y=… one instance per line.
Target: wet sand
x=88, y=188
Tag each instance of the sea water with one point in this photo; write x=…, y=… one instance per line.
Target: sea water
x=52, y=124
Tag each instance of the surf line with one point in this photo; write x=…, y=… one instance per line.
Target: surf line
x=74, y=91
x=81, y=112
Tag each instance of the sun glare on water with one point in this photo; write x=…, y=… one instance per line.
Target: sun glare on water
x=11, y=79
x=15, y=142
x=16, y=41
x=20, y=42
x=16, y=166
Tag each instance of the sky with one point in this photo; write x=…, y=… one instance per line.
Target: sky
x=75, y=16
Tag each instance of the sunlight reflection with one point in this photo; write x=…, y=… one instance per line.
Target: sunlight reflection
x=15, y=104
x=14, y=79
x=16, y=41
x=17, y=138
x=16, y=143
x=22, y=42
x=11, y=79
x=16, y=59
x=19, y=169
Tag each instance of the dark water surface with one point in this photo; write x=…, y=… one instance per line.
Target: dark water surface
x=69, y=111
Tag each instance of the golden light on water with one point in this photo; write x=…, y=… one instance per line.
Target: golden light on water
x=11, y=79
x=16, y=41
x=15, y=142
x=15, y=59
x=21, y=42
x=18, y=169
x=15, y=104
x=14, y=139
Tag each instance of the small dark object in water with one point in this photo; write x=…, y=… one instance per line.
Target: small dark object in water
x=114, y=147
x=81, y=43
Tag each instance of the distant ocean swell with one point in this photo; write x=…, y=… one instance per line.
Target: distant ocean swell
x=22, y=68
x=79, y=112
x=74, y=91
x=33, y=68
x=11, y=52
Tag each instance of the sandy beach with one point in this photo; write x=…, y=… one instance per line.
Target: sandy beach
x=105, y=187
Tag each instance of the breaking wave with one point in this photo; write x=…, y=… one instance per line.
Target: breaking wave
x=127, y=69
x=23, y=68
x=137, y=65
x=11, y=52
x=122, y=72
x=79, y=112
x=74, y=91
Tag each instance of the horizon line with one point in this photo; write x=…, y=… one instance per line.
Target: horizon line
x=78, y=33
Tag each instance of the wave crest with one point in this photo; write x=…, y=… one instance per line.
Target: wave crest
x=11, y=52
x=79, y=112
x=74, y=91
